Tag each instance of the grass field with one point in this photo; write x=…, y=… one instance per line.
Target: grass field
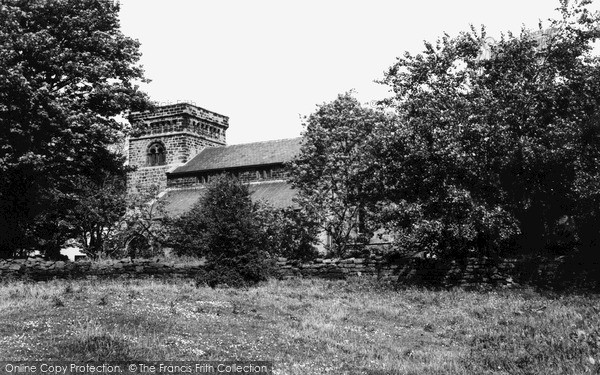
x=304, y=326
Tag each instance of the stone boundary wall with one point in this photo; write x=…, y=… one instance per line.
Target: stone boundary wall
x=469, y=273
x=409, y=270
x=38, y=270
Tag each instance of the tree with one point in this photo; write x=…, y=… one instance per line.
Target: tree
x=99, y=212
x=495, y=151
x=287, y=232
x=66, y=71
x=223, y=222
x=334, y=172
x=224, y=227
x=142, y=231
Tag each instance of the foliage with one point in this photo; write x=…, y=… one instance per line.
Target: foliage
x=334, y=173
x=287, y=232
x=225, y=223
x=497, y=144
x=141, y=231
x=243, y=270
x=66, y=70
x=223, y=226
x=98, y=213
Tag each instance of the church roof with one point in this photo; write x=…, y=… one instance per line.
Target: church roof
x=242, y=155
x=278, y=194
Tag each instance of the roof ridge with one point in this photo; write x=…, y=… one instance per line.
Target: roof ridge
x=262, y=182
x=257, y=142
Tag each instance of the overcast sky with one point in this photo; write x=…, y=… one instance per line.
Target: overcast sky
x=267, y=63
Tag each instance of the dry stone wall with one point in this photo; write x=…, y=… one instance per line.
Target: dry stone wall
x=40, y=270
x=471, y=272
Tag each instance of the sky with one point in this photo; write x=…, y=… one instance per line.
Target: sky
x=266, y=64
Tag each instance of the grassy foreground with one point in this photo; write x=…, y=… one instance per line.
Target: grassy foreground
x=304, y=326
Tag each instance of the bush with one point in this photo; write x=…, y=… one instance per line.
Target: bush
x=225, y=227
x=222, y=224
x=241, y=271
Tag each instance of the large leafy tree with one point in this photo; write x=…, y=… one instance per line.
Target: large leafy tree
x=65, y=71
x=498, y=143
x=335, y=173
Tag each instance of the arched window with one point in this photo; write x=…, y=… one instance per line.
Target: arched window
x=156, y=154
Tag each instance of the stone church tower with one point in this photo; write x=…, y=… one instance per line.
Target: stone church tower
x=167, y=138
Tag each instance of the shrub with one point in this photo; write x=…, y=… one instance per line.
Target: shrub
x=225, y=228
x=241, y=271
x=222, y=224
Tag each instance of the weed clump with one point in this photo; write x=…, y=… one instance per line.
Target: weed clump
x=57, y=302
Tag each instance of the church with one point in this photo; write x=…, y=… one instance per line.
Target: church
x=180, y=147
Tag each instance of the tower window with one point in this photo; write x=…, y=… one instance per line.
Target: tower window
x=156, y=154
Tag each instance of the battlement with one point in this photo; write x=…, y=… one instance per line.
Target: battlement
x=180, y=109
x=180, y=118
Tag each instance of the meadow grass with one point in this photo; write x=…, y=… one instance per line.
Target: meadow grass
x=308, y=326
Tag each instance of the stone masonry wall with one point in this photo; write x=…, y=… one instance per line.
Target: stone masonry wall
x=183, y=129
x=143, y=178
x=180, y=116
x=40, y=270
x=262, y=173
x=470, y=273
x=179, y=149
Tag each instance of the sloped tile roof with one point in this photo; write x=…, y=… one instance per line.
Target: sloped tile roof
x=177, y=202
x=278, y=194
x=242, y=155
